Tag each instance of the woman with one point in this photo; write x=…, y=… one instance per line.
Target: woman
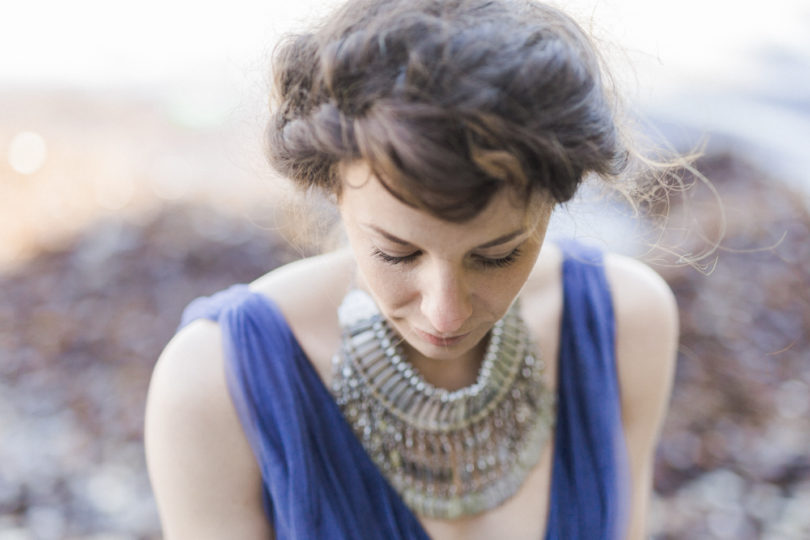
x=448, y=374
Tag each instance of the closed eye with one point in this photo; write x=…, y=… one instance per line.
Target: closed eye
x=393, y=259
x=499, y=262
x=486, y=262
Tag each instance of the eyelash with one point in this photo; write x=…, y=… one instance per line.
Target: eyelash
x=486, y=262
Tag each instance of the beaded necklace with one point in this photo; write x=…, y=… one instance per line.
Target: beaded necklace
x=448, y=453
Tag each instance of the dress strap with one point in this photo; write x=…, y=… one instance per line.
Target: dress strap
x=589, y=479
x=210, y=307
x=318, y=482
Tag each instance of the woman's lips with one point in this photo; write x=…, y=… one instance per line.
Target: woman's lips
x=438, y=341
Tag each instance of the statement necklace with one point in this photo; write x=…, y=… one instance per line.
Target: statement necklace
x=447, y=453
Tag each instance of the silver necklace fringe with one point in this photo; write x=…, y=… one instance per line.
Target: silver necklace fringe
x=447, y=453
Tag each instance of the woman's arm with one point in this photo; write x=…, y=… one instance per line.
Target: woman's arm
x=204, y=475
x=646, y=344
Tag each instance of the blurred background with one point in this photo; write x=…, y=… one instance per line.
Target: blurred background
x=132, y=180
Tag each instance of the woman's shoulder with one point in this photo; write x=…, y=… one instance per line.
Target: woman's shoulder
x=191, y=364
x=644, y=304
x=646, y=343
x=308, y=293
x=644, y=309
x=308, y=282
x=191, y=422
x=646, y=317
x=638, y=291
x=189, y=374
x=194, y=441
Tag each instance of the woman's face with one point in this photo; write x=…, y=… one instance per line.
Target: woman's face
x=442, y=285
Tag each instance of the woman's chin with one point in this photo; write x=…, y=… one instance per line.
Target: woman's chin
x=443, y=348
x=442, y=342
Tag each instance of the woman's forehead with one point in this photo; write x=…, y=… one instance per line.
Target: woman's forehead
x=358, y=181
x=365, y=201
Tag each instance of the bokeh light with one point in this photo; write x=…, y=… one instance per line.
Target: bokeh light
x=27, y=152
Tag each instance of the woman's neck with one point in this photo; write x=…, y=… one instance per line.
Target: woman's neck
x=448, y=374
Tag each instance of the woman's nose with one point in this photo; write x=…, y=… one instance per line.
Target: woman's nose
x=446, y=303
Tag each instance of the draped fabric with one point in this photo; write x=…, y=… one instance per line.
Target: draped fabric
x=590, y=482
x=318, y=481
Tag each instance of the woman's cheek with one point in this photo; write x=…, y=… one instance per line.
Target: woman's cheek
x=388, y=283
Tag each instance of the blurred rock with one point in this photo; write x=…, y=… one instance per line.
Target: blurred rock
x=81, y=330
x=740, y=400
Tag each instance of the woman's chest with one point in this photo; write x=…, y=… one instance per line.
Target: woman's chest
x=521, y=517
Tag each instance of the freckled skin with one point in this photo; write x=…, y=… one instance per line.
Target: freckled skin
x=438, y=279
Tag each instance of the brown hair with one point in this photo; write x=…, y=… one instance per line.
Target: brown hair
x=447, y=101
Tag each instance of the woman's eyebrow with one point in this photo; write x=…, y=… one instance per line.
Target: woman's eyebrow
x=388, y=236
x=502, y=239
x=492, y=243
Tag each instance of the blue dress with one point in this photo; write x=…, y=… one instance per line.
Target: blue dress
x=318, y=481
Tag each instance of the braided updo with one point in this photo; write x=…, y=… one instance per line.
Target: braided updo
x=447, y=101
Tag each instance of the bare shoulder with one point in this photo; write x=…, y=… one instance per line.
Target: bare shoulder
x=308, y=293
x=638, y=289
x=646, y=342
x=646, y=337
x=309, y=282
x=206, y=480
x=203, y=473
